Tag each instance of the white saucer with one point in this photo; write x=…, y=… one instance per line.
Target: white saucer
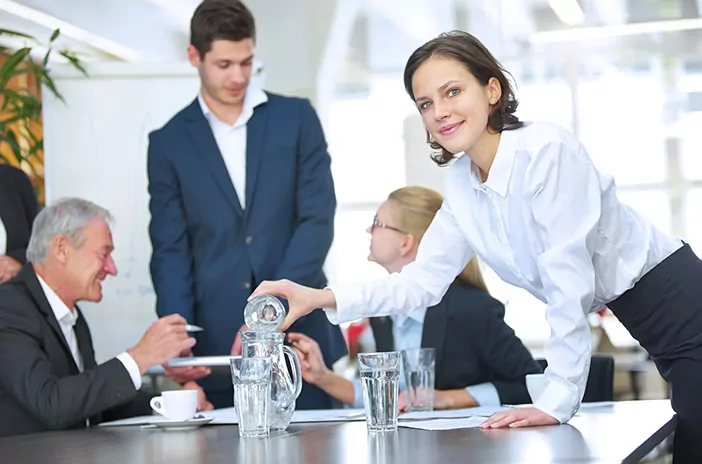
x=172, y=425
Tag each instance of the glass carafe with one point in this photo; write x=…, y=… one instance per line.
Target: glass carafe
x=285, y=388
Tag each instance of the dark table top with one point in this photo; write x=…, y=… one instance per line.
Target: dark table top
x=618, y=432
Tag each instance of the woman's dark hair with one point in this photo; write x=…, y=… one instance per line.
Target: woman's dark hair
x=220, y=20
x=470, y=52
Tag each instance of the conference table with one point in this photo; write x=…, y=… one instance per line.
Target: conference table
x=600, y=432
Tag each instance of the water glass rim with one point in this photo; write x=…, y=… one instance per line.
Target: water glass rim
x=386, y=361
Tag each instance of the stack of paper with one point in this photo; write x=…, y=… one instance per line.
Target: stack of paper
x=449, y=420
x=482, y=411
x=444, y=424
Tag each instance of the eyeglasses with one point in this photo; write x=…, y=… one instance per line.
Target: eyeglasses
x=381, y=225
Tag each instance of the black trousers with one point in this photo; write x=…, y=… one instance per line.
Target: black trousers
x=663, y=311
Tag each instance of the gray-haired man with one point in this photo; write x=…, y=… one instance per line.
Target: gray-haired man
x=49, y=379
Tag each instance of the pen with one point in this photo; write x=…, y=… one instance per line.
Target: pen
x=193, y=328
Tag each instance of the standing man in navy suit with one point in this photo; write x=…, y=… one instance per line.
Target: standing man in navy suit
x=241, y=192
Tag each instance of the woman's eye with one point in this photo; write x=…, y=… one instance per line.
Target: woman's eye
x=424, y=105
x=453, y=92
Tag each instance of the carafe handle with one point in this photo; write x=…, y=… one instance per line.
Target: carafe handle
x=296, y=371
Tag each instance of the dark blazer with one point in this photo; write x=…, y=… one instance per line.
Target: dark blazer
x=18, y=208
x=209, y=253
x=40, y=386
x=473, y=344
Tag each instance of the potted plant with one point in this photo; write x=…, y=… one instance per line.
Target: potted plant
x=21, y=80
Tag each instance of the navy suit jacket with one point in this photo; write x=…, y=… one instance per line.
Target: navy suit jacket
x=209, y=253
x=473, y=344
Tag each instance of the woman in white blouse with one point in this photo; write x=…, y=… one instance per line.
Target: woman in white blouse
x=526, y=198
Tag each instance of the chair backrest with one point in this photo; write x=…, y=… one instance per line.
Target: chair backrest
x=600, y=382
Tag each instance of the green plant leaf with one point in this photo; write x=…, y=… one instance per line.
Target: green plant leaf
x=35, y=139
x=45, y=61
x=20, y=103
x=12, y=62
x=16, y=34
x=8, y=96
x=11, y=139
x=37, y=71
x=49, y=83
x=54, y=35
x=73, y=59
x=36, y=148
x=5, y=123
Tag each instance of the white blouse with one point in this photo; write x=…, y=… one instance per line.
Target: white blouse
x=545, y=220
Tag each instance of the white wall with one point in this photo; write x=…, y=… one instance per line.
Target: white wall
x=95, y=148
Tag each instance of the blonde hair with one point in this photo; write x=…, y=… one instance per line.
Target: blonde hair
x=412, y=210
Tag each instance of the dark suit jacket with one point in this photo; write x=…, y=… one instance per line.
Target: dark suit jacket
x=209, y=253
x=18, y=208
x=40, y=386
x=473, y=344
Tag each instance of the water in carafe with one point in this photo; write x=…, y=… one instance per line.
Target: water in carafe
x=264, y=313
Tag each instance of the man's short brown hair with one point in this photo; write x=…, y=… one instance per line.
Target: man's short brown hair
x=220, y=20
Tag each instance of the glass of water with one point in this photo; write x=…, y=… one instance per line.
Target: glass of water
x=418, y=366
x=380, y=374
x=252, y=394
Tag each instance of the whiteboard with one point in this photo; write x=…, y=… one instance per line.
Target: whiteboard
x=95, y=148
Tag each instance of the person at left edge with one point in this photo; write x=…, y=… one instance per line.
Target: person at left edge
x=18, y=208
x=241, y=192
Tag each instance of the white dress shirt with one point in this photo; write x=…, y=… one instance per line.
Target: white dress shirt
x=231, y=139
x=67, y=319
x=545, y=220
x=3, y=238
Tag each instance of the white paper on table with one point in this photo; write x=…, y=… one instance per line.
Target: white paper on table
x=229, y=415
x=220, y=416
x=444, y=424
x=329, y=415
x=482, y=411
x=223, y=416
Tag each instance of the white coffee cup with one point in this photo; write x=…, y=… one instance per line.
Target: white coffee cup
x=176, y=405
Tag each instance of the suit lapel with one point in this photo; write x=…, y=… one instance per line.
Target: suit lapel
x=434, y=333
x=255, y=140
x=85, y=344
x=201, y=133
x=32, y=283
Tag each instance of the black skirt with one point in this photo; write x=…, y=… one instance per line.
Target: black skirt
x=663, y=311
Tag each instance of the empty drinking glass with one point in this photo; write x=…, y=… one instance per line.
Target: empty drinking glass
x=380, y=374
x=418, y=367
x=252, y=394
